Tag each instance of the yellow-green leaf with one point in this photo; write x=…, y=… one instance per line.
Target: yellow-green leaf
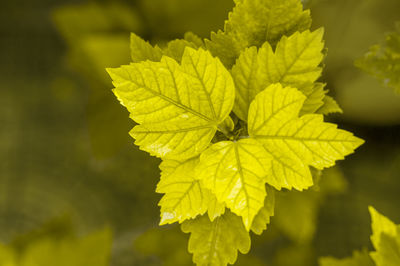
x=184, y=197
x=216, y=243
x=215, y=208
x=316, y=95
x=254, y=22
x=235, y=172
x=263, y=217
x=386, y=240
x=330, y=106
x=178, y=106
x=295, y=62
x=193, y=38
x=176, y=48
x=295, y=142
x=224, y=47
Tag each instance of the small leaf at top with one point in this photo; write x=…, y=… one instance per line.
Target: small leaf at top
x=254, y=22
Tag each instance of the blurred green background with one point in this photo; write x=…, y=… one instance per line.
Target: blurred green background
x=68, y=167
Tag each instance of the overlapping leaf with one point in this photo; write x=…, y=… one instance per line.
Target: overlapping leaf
x=262, y=219
x=295, y=142
x=178, y=107
x=142, y=50
x=184, y=197
x=216, y=243
x=254, y=22
x=329, y=106
x=236, y=172
x=176, y=48
x=295, y=62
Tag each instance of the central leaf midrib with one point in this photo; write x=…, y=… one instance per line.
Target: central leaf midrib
x=215, y=232
x=300, y=139
x=204, y=90
x=174, y=131
x=240, y=170
x=185, y=194
x=177, y=104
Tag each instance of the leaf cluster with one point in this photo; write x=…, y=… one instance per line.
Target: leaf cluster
x=234, y=118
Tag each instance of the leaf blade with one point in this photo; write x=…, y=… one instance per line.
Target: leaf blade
x=216, y=243
x=178, y=106
x=307, y=140
x=235, y=172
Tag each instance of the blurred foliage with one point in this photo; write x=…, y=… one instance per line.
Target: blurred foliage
x=55, y=244
x=351, y=27
x=60, y=153
x=386, y=241
x=358, y=259
x=305, y=211
x=96, y=37
x=383, y=61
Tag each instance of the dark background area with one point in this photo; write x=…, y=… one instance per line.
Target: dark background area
x=65, y=148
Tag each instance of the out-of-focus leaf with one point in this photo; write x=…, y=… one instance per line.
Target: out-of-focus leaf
x=167, y=244
x=167, y=19
x=217, y=243
x=383, y=60
x=306, y=208
x=386, y=240
x=254, y=22
x=359, y=258
x=77, y=21
x=94, y=249
x=47, y=248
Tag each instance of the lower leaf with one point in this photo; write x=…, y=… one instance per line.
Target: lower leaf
x=216, y=243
